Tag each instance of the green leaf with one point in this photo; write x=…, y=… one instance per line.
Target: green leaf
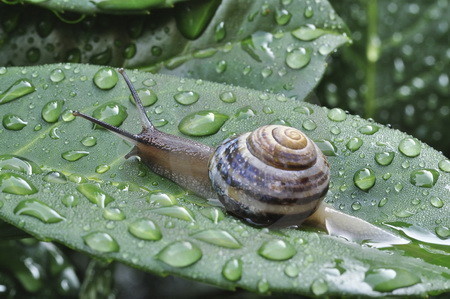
x=279, y=46
x=399, y=74
x=103, y=6
x=208, y=245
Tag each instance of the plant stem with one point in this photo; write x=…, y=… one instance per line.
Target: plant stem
x=372, y=55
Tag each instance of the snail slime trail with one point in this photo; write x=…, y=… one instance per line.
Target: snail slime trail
x=273, y=176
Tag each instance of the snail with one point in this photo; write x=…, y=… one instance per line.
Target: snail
x=273, y=175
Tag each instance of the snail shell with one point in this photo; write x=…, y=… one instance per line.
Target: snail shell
x=274, y=173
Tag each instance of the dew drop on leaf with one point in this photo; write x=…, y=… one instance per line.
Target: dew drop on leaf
x=74, y=155
x=13, y=122
x=282, y=16
x=298, y=58
x=410, y=147
x=114, y=214
x=102, y=168
x=18, y=89
x=106, y=78
x=101, y=242
x=221, y=66
x=148, y=97
x=263, y=286
x=327, y=147
x=95, y=195
x=214, y=214
x=309, y=125
x=308, y=32
x=38, y=210
x=89, y=141
x=384, y=158
x=55, y=177
x=277, y=250
x=70, y=200
x=436, y=202
x=16, y=163
x=444, y=165
x=337, y=114
x=16, y=184
x=176, y=212
x=425, y=178
x=232, y=270
x=443, y=232
x=180, y=254
x=354, y=144
x=368, y=129
x=145, y=229
x=364, y=179
x=52, y=111
x=291, y=270
x=319, y=287
x=227, y=97
x=219, y=32
x=186, y=97
x=202, y=123
x=218, y=237
x=387, y=280
x=111, y=113
x=57, y=75
x=162, y=199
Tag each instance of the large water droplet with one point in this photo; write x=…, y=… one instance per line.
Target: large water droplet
x=384, y=158
x=219, y=32
x=436, y=202
x=102, y=168
x=444, y=165
x=16, y=184
x=55, y=177
x=298, y=58
x=176, y=212
x=18, y=89
x=221, y=66
x=111, y=113
x=425, y=178
x=410, y=147
x=232, y=270
x=309, y=125
x=106, y=78
x=95, y=195
x=145, y=229
x=162, y=199
x=214, y=214
x=277, y=250
x=263, y=286
x=218, y=237
x=202, y=123
x=52, y=110
x=368, y=129
x=227, y=97
x=244, y=113
x=148, y=97
x=16, y=163
x=38, y=210
x=101, y=242
x=291, y=270
x=309, y=12
x=57, y=75
x=319, y=287
x=282, y=16
x=73, y=156
x=89, y=141
x=387, y=280
x=186, y=97
x=308, y=32
x=13, y=122
x=354, y=144
x=113, y=214
x=337, y=114
x=180, y=254
x=304, y=110
x=443, y=232
x=327, y=147
x=364, y=179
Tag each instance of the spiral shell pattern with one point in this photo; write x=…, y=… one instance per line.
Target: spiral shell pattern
x=271, y=173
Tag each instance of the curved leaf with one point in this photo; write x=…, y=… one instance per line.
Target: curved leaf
x=401, y=72
x=110, y=207
x=280, y=46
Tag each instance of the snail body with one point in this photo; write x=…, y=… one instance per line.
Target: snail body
x=274, y=174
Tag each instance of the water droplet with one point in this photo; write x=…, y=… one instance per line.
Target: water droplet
x=18, y=89
x=277, y=250
x=291, y=270
x=101, y=242
x=113, y=214
x=110, y=112
x=3, y=70
x=129, y=51
x=326, y=49
x=227, y=97
x=95, y=195
x=436, y=202
x=13, y=122
x=16, y=184
x=221, y=66
x=106, y=78
x=148, y=97
x=444, y=165
x=383, y=201
x=384, y=158
x=410, y=147
x=162, y=199
x=180, y=254
x=387, y=280
x=160, y=122
x=244, y=113
x=327, y=147
x=186, y=97
x=309, y=125
x=219, y=32
x=202, y=123
x=176, y=212
x=55, y=177
x=319, y=287
x=73, y=156
x=38, y=210
x=52, y=111
x=354, y=144
x=214, y=214
x=308, y=32
x=282, y=16
x=102, y=168
x=309, y=12
x=149, y=82
x=443, y=232
x=57, y=75
x=267, y=110
x=425, y=178
x=33, y=55
x=67, y=115
x=304, y=110
x=368, y=129
x=364, y=179
x=356, y=206
x=337, y=114
x=145, y=229
x=232, y=270
x=70, y=200
x=298, y=58
x=263, y=286
x=335, y=130
x=404, y=213
x=218, y=237
x=89, y=141
x=16, y=163
x=406, y=164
